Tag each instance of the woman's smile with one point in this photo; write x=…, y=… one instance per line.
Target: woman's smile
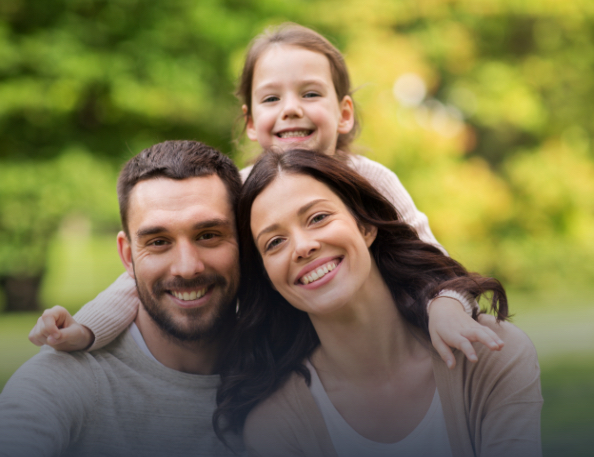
x=316, y=254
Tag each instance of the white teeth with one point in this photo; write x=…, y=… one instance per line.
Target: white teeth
x=188, y=296
x=319, y=273
x=294, y=134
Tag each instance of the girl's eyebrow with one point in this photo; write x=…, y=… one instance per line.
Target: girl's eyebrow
x=274, y=83
x=300, y=212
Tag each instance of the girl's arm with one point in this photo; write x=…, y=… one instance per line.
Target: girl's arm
x=450, y=325
x=96, y=324
x=388, y=184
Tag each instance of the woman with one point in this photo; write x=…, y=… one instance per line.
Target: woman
x=332, y=344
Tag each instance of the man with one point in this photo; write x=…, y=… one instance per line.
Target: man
x=151, y=391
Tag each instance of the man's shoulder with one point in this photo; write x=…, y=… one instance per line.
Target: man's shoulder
x=54, y=368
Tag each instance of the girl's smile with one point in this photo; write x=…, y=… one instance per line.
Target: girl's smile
x=294, y=102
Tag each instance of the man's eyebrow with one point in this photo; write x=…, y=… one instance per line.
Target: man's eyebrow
x=300, y=212
x=210, y=223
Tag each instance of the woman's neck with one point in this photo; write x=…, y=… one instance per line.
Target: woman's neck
x=368, y=337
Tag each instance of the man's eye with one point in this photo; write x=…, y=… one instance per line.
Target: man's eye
x=158, y=243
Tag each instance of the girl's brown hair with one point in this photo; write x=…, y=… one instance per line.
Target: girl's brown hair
x=302, y=37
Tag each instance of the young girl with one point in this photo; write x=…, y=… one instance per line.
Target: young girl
x=296, y=92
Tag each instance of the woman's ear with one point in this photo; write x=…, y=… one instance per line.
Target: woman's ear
x=249, y=124
x=369, y=233
x=346, y=121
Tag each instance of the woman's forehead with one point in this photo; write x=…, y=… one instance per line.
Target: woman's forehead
x=288, y=193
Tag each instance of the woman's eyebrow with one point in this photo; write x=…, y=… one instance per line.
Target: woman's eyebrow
x=300, y=212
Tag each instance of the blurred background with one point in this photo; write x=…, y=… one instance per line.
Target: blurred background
x=482, y=108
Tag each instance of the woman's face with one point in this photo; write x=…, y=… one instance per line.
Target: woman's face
x=316, y=255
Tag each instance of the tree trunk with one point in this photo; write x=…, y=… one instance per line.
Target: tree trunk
x=21, y=292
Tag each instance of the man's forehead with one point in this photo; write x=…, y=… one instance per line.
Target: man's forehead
x=171, y=196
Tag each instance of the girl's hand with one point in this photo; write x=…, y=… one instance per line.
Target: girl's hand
x=450, y=326
x=58, y=329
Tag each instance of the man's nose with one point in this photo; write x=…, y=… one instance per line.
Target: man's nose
x=188, y=263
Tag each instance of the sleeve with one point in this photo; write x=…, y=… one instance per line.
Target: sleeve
x=509, y=417
x=388, y=184
x=45, y=403
x=245, y=172
x=111, y=312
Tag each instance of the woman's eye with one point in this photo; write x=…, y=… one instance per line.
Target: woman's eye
x=318, y=218
x=273, y=243
x=207, y=236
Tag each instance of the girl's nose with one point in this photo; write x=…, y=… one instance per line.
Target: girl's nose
x=292, y=108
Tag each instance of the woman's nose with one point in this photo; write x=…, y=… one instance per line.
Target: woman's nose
x=305, y=246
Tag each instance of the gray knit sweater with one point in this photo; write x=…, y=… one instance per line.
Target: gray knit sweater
x=110, y=402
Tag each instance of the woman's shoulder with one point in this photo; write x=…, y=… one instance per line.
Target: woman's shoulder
x=516, y=362
x=514, y=338
x=286, y=423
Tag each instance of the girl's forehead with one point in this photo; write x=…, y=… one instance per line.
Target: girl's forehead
x=283, y=55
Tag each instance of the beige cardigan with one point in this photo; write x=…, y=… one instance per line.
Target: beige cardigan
x=492, y=408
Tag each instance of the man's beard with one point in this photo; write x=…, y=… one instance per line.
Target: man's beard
x=199, y=323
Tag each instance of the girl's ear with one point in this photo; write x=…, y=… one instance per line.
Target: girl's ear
x=369, y=233
x=249, y=124
x=346, y=121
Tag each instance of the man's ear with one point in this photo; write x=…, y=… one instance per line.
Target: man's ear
x=346, y=121
x=369, y=233
x=249, y=124
x=125, y=252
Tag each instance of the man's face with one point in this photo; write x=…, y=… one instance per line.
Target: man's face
x=183, y=253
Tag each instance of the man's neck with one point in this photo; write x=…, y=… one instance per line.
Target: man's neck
x=195, y=357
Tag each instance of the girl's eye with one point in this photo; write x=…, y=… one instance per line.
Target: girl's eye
x=273, y=243
x=271, y=98
x=311, y=95
x=318, y=218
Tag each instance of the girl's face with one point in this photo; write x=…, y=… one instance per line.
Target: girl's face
x=294, y=102
x=316, y=255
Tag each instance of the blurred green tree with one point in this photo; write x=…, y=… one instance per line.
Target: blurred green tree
x=34, y=199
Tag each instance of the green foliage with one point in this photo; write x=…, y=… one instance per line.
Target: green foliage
x=497, y=153
x=36, y=196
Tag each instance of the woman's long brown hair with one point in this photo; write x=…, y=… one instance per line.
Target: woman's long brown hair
x=272, y=338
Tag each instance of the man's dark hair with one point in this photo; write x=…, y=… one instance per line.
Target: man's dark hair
x=176, y=160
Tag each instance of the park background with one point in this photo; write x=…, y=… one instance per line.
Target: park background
x=482, y=108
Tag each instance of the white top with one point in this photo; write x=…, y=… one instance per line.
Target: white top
x=428, y=439
x=139, y=340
